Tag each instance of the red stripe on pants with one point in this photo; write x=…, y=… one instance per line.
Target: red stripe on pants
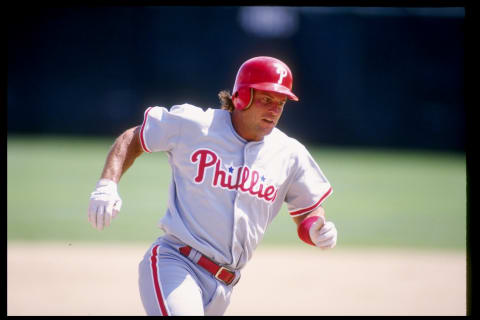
x=156, y=283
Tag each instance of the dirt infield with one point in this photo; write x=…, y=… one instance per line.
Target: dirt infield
x=74, y=279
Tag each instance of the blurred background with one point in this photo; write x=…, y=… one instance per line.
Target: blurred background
x=381, y=108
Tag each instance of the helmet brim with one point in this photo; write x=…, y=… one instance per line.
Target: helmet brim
x=275, y=87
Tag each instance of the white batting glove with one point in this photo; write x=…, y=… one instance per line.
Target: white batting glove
x=323, y=234
x=105, y=203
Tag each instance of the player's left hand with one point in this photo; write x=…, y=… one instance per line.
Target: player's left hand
x=323, y=234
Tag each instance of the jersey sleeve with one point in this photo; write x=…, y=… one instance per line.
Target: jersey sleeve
x=309, y=187
x=160, y=129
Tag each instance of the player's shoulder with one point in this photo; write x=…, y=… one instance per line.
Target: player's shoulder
x=197, y=117
x=280, y=138
x=187, y=116
x=187, y=110
x=192, y=113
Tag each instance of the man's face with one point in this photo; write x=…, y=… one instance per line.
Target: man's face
x=261, y=117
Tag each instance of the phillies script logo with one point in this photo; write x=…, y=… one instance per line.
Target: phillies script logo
x=244, y=179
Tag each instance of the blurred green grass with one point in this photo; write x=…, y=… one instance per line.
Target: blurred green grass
x=382, y=198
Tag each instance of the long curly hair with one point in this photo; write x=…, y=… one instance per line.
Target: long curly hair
x=226, y=102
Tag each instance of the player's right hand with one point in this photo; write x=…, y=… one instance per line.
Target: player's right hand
x=105, y=203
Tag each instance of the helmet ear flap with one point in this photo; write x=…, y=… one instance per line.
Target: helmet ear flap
x=242, y=98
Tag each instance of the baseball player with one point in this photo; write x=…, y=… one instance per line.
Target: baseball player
x=232, y=170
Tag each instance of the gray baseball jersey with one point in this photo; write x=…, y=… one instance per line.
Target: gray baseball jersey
x=225, y=191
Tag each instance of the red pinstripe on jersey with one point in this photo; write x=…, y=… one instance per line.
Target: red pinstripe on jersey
x=156, y=282
x=305, y=210
x=142, y=138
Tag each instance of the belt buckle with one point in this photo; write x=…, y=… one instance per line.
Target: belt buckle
x=220, y=270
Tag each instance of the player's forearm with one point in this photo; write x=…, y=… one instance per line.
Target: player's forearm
x=122, y=155
x=320, y=211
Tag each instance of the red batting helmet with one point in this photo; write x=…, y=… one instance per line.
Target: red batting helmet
x=262, y=73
